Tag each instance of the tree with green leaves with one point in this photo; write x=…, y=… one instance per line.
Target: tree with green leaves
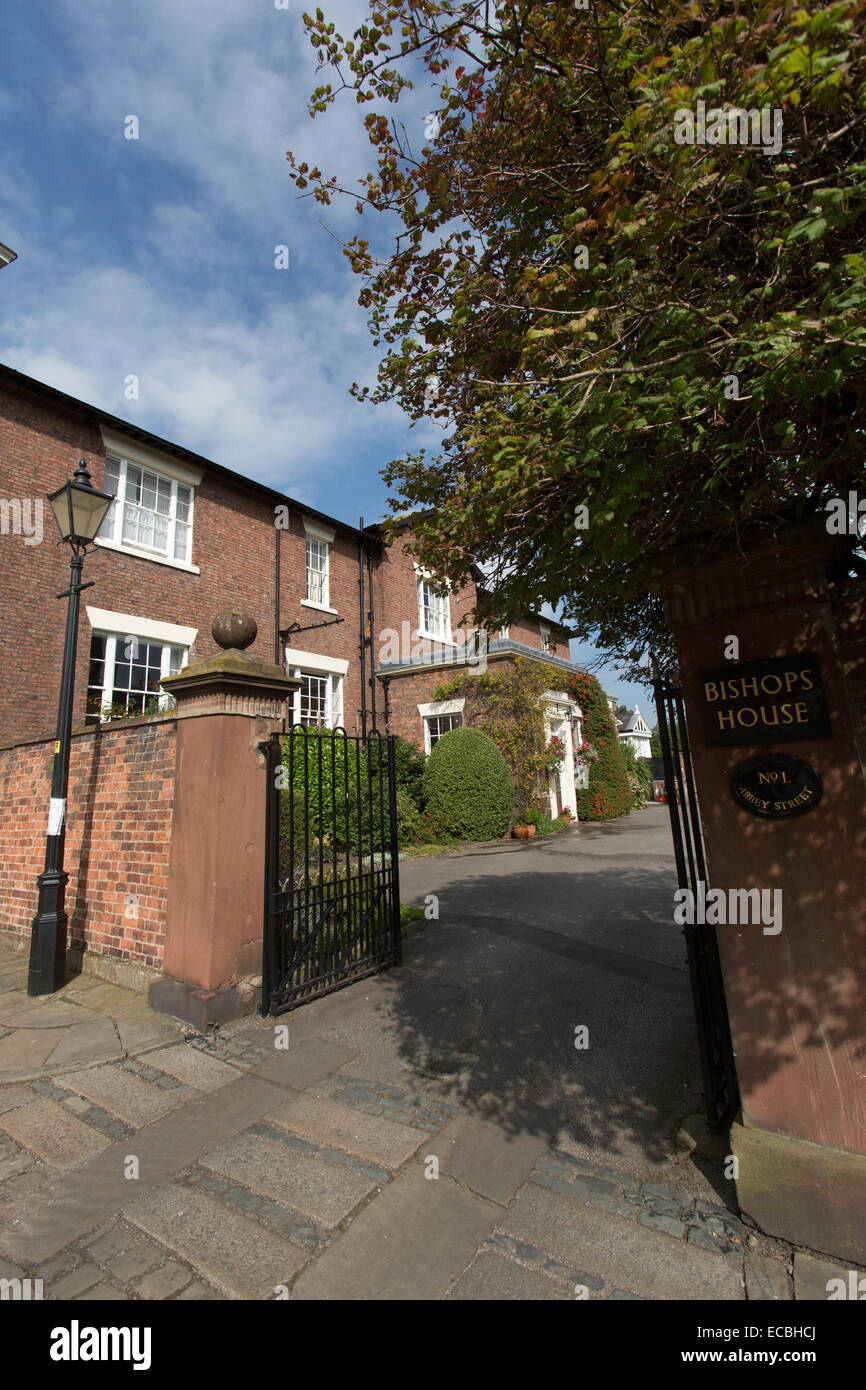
x=629, y=254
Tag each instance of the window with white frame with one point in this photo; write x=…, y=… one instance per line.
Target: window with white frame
x=503, y=633
x=547, y=643
x=434, y=613
x=438, y=724
x=317, y=570
x=124, y=675
x=319, y=702
x=151, y=512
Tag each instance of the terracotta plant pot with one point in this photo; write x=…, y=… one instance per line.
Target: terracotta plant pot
x=522, y=832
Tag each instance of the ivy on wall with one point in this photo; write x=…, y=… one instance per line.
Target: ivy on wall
x=608, y=793
x=506, y=704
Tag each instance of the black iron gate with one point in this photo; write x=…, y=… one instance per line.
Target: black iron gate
x=332, y=893
x=721, y=1091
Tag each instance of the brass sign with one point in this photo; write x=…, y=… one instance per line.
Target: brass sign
x=778, y=700
x=776, y=785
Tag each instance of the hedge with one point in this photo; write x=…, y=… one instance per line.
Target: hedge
x=467, y=786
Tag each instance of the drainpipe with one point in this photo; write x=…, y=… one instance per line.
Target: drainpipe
x=278, y=657
x=362, y=642
x=371, y=638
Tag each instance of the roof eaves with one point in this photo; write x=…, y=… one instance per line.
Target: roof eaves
x=39, y=388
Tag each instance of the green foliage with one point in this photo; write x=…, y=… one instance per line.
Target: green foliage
x=505, y=703
x=110, y=713
x=408, y=914
x=585, y=287
x=467, y=786
x=335, y=771
x=639, y=775
x=408, y=818
x=608, y=794
x=656, y=743
x=409, y=764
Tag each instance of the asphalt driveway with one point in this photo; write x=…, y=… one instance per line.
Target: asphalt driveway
x=532, y=944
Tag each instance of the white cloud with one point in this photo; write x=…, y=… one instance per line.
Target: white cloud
x=164, y=267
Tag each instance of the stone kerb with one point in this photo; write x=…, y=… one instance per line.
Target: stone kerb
x=226, y=706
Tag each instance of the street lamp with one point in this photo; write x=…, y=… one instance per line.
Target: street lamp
x=78, y=510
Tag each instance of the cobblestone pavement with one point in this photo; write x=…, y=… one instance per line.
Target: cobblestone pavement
x=227, y=1166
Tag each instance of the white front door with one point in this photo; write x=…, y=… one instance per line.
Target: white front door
x=562, y=789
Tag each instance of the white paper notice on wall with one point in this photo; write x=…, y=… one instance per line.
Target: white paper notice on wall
x=56, y=812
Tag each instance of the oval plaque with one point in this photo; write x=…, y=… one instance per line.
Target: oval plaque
x=776, y=785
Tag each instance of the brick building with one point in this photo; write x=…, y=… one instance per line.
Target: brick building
x=186, y=538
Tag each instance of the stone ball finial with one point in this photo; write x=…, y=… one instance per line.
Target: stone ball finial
x=233, y=630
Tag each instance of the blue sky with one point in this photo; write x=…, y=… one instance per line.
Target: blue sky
x=155, y=257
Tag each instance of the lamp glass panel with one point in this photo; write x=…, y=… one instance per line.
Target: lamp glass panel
x=88, y=509
x=59, y=504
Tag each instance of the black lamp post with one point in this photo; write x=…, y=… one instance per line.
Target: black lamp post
x=78, y=510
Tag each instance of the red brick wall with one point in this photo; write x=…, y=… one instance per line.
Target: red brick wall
x=396, y=593
x=339, y=639
x=233, y=545
x=851, y=627
x=406, y=693
x=39, y=449
x=121, y=792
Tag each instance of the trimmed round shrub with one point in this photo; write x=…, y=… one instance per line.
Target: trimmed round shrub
x=468, y=789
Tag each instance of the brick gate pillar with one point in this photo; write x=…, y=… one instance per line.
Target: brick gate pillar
x=226, y=706
x=796, y=997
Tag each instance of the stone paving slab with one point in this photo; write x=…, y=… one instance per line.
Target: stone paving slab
x=57, y=1013
x=135, y=1101
x=14, y=1095
x=51, y=1132
x=412, y=1242
x=812, y=1275
x=106, y=998
x=319, y=1190
x=299, y=1067
x=141, y=1028
x=231, y=1251
x=766, y=1279
x=194, y=1068
x=11, y=1165
x=495, y=1277
x=80, y=1201
x=643, y=1261
x=24, y=1051
x=16, y=1001
x=326, y=1122
x=484, y=1157
x=86, y=1042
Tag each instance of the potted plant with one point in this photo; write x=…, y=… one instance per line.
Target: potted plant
x=524, y=827
x=565, y=814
